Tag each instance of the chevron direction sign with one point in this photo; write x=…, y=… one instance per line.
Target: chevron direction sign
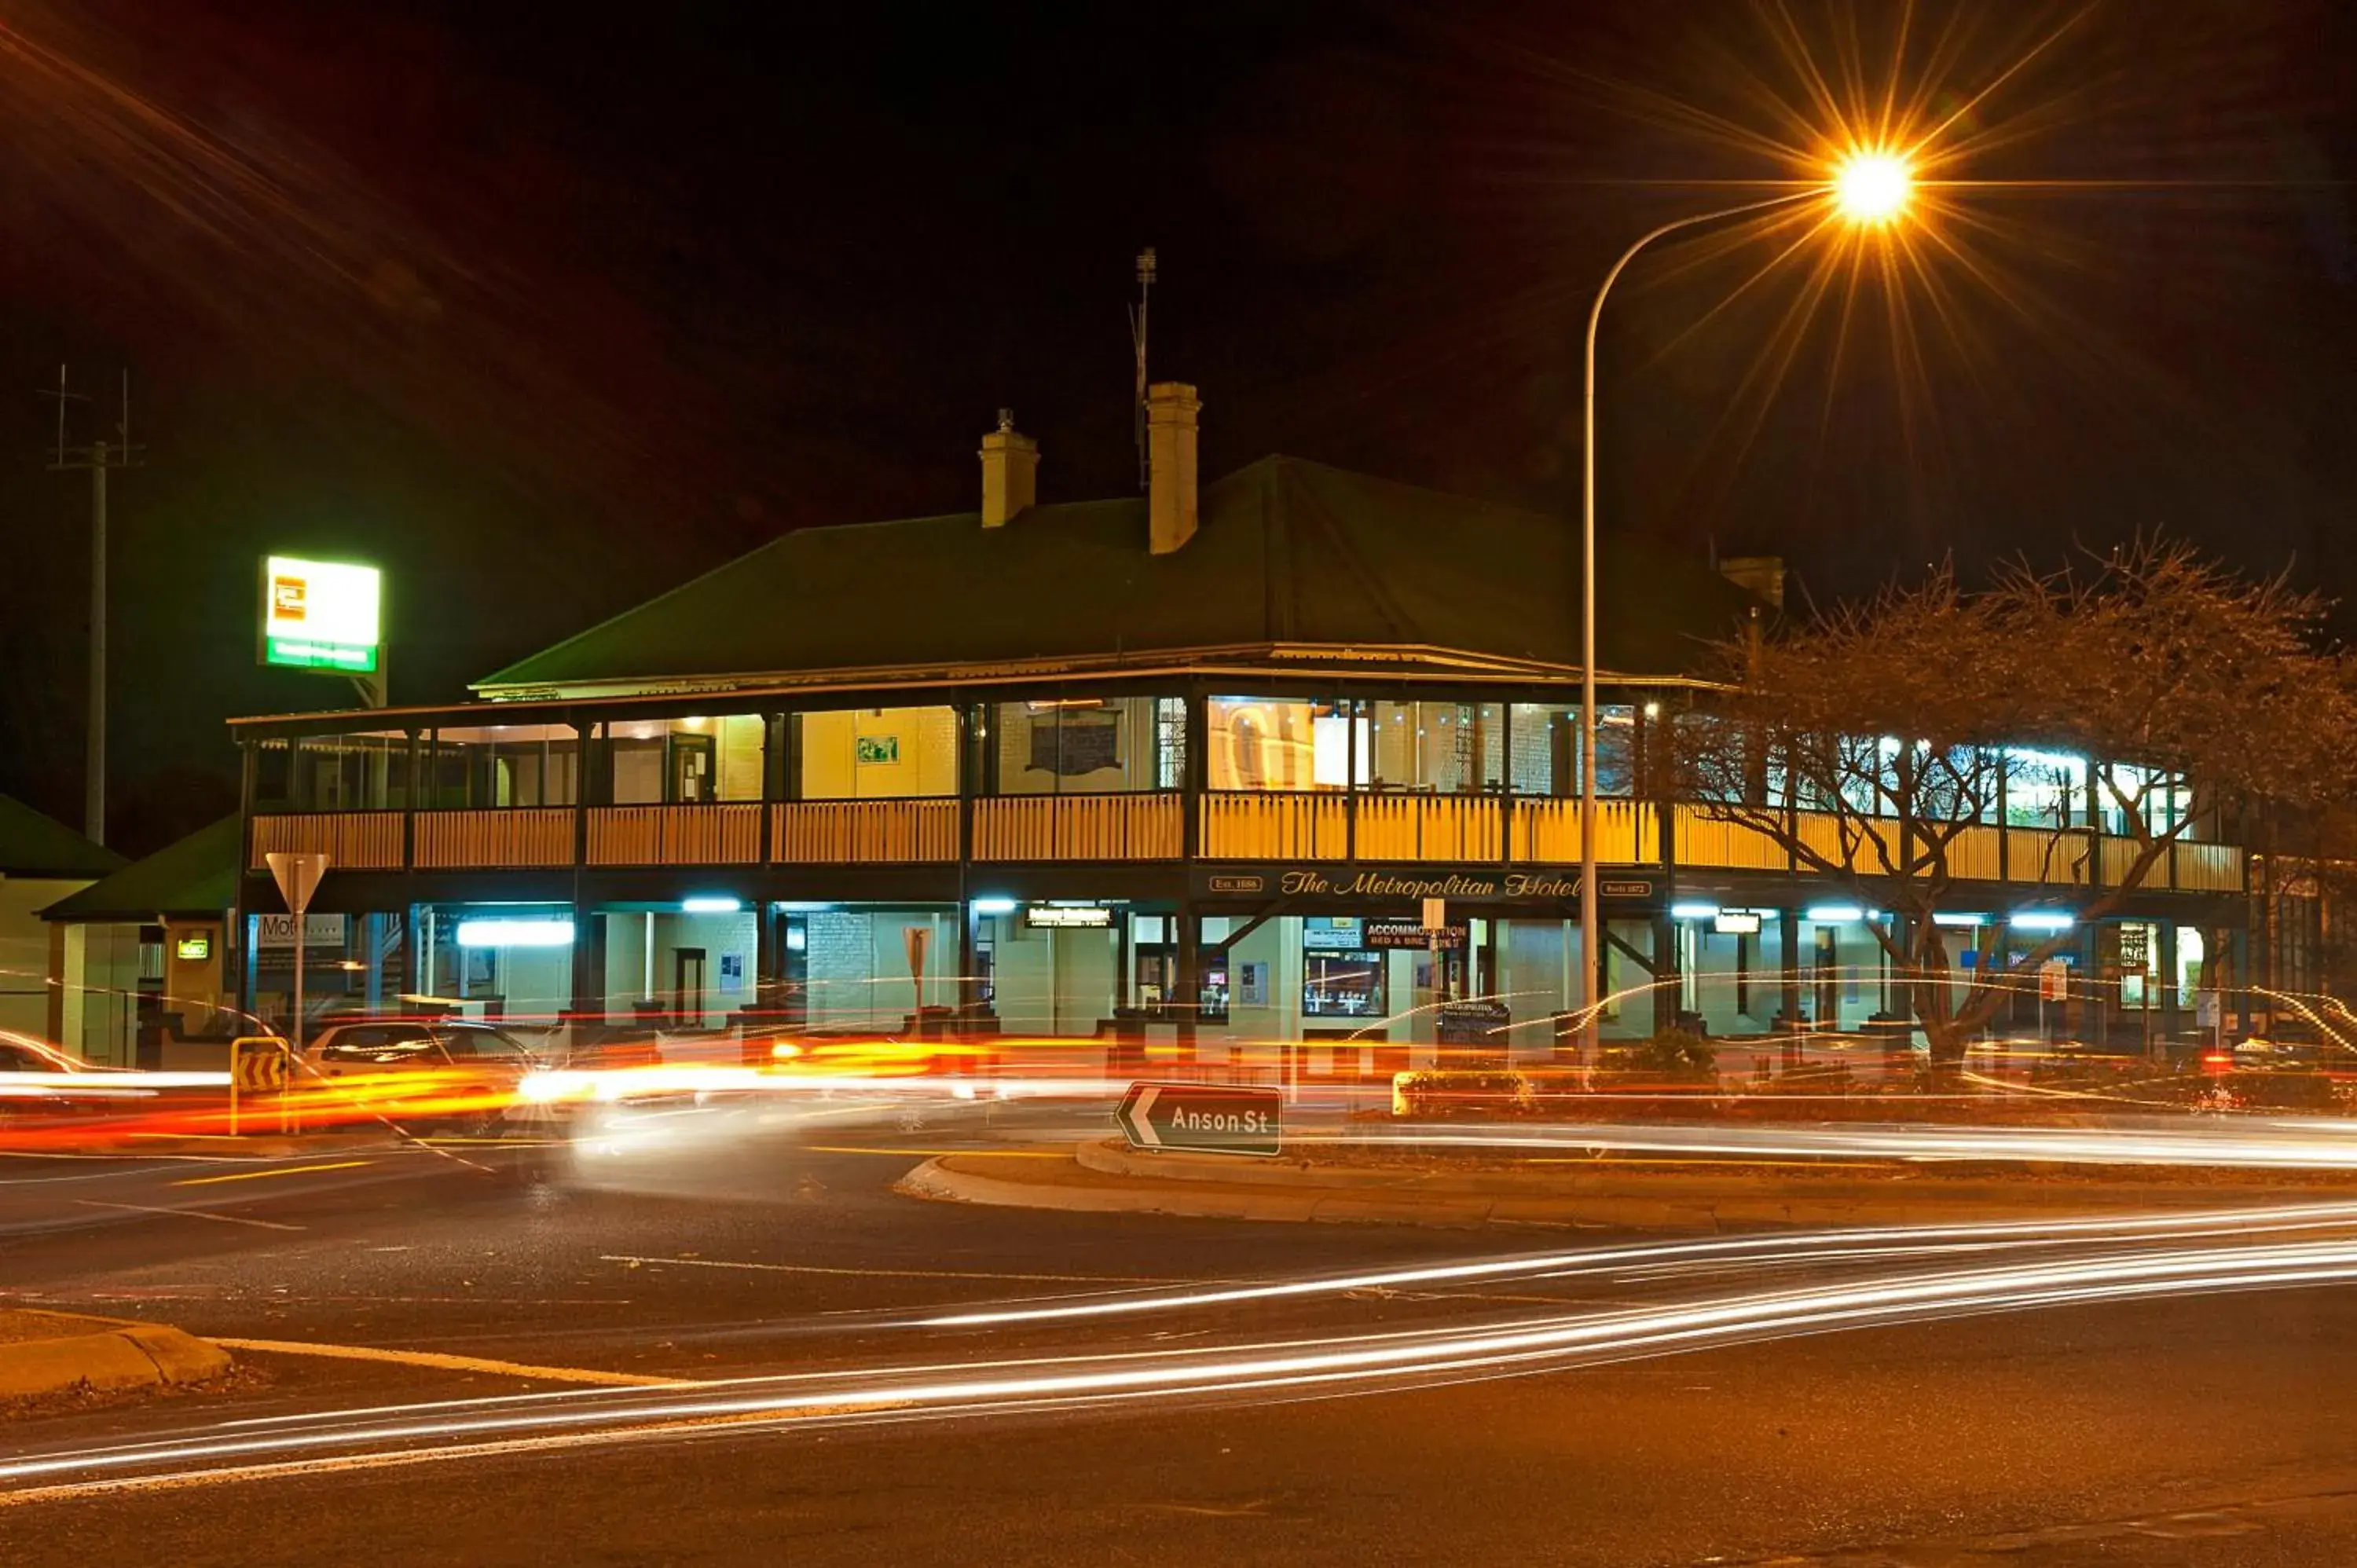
x=1202, y=1118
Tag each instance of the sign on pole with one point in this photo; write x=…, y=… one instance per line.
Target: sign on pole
x=257, y=1064
x=321, y=615
x=2054, y=981
x=297, y=876
x=1203, y=1118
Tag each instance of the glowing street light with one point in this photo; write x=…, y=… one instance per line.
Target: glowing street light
x=1868, y=189
x=1873, y=187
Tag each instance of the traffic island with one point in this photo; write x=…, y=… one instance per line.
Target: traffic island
x=1382, y=1188
x=48, y=1353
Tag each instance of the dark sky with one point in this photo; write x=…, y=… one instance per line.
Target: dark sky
x=547, y=307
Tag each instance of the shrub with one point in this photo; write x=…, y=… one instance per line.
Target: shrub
x=1676, y=1056
x=1447, y=1093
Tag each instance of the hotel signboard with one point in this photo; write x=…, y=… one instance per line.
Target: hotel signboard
x=1360, y=885
x=321, y=615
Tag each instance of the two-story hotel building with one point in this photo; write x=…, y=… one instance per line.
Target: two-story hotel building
x=1185, y=758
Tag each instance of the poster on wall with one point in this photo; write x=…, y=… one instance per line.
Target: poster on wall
x=1070, y=745
x=732, y=972
x=1251, y=985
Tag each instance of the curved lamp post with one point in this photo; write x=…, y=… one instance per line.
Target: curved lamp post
x=1867, y=188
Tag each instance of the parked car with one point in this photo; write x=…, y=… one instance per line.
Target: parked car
x=38, y=1078
x=442, y=1069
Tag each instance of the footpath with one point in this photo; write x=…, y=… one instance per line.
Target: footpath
x=45, y=1353
x=1111, y=1178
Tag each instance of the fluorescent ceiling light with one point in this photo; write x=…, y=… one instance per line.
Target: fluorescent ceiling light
x=515, y=933
x=995, y=906
x=716, y=903
x=1831, y=913
x=1693, y=911
x=2042, y=920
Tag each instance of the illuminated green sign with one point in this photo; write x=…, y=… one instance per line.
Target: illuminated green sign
x=196, y=947
x=879, y=748
x=321, y=615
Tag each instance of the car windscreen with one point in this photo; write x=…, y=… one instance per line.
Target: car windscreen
x=380, y=1044
x=482, y=1045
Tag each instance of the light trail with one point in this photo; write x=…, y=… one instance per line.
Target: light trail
x=2092, y=1263
x=2321, y=1143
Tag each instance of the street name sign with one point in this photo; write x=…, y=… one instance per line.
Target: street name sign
x=1203, y=1118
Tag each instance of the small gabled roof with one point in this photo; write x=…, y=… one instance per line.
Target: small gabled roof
x=1287, y=552
x=34, y=846
x=196, y=876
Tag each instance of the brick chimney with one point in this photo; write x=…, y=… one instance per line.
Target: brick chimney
x=1171, y=408
x=1010, y=472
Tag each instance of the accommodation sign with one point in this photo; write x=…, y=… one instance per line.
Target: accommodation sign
x=1343, y=882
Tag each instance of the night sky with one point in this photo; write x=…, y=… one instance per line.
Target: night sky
x=545, y=308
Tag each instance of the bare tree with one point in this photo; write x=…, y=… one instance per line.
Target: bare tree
x=2152, y=691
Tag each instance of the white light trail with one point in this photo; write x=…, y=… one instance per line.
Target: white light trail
x=2090, y=1261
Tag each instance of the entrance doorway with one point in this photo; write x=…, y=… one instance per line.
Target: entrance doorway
x=687, y=987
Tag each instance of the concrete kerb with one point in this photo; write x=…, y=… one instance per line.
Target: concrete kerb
x=118, y=1355
x=1112, y=1178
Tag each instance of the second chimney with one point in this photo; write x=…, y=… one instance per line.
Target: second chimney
x=1010, y=472
x=1171, y=408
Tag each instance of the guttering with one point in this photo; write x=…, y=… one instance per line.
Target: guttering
x=1340, y=661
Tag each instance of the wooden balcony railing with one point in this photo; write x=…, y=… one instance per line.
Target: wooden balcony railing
x=2209, y=868
x=531, y=835
x=864, y=832
x=1298, y=825
x=1275, y=824
x=1546, y=832
x=1458, y=828
x=2049, y=857
x=360, y=841
x=1079, y=827
x=674, y=835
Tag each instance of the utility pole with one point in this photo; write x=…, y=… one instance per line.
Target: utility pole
x=98, y=457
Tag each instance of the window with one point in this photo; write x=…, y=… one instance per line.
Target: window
x=500, y=765
x=1446, y=748
x=686, y=761
x=2045, y=788
x=2161, y=799
x=1171, y=743
x=1616, y=749
x=1279, y=743
x=863, y=753
x=1080, y=745
x=1546, y=760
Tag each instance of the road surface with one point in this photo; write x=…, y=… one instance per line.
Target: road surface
x=2183, y=1429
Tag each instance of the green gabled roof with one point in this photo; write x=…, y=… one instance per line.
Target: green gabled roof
x=197, y=875
x=1287, y=552
x=34, y=846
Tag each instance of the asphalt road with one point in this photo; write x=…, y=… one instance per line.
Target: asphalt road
x=2199, y=1430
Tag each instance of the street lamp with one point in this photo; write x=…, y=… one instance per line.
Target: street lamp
x=1866, y=188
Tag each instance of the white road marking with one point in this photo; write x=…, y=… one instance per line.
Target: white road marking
x=896, y=1273
x=449, y=1363
x=190, y=1214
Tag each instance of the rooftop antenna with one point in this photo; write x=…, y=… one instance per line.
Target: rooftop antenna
x=98, y=457
x=1137, y=341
